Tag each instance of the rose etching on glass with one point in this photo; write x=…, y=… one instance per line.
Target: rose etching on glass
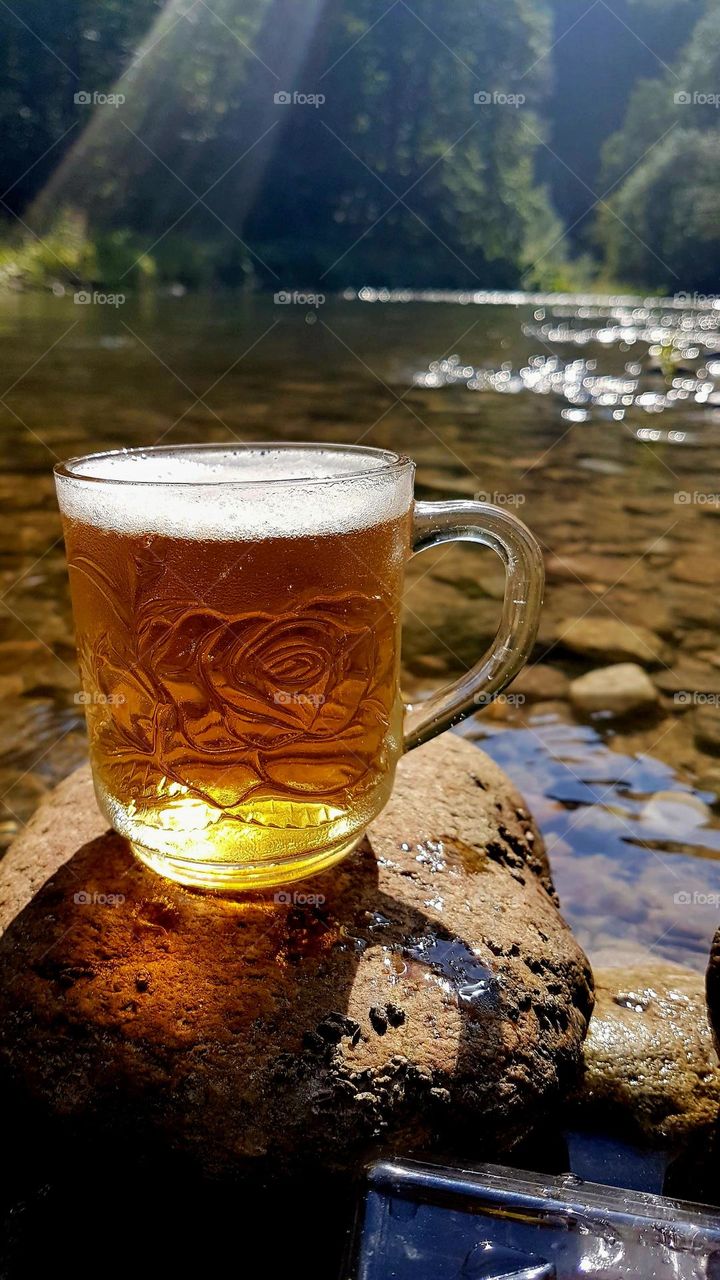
x=238, y=706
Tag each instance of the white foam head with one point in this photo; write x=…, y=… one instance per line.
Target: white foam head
x=245, y=492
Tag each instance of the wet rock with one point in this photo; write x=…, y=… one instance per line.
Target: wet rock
x=695, y=605
x=10, y=685
x=493, y=585
x=618, y=689
x=559, y=712
x=697, y=568
x=686, y=677
x=706, y=727
x=708, y=778
x=602, y=466
x=51, y=672
x=447, y=623
x=650, y=1065
x=588, y=568
x=459, y=566
x=540, y=683
x=675, y=811
x=700, y=642
x=646, y=505
x=610, y=639
x=430, y=664
x=14, y=654
x=432, y=992
x=638, y=609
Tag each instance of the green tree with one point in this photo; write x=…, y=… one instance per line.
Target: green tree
x=399, y=176
x=400, y=117
x=656, y=227
x=663, y=229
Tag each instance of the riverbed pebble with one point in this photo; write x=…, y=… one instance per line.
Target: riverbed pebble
x=610, y=639
x=618, y=689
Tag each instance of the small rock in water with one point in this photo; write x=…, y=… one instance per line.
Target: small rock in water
x=540, y=683
x=701, y=570
x=11, y=685
x=611, y=639
x=675, y=809
x=689, y=676
x=430, y=664
x=619, y=689
x=602, y=466
x=706, y=724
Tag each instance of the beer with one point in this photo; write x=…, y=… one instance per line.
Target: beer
x=238, y=627
x=239, y=648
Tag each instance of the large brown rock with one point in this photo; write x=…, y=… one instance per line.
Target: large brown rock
x=650, y=1066
x=431, y=992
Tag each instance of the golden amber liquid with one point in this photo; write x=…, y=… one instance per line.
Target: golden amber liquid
x=242, y=697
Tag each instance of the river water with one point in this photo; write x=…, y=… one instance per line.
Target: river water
x=595, y=420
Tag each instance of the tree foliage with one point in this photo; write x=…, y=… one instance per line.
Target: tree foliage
x=398, y=176
x=663, y=227
x=659, y=226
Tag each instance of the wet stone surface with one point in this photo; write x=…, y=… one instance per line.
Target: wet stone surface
x=650, y=1066
x=431, y=998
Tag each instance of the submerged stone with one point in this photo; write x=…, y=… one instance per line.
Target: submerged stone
x=618, y=690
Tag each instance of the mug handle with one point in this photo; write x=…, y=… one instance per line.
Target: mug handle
x=436, y=522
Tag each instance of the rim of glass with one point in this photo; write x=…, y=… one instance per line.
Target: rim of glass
x=392, y=462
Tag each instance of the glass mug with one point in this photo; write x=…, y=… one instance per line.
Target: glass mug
x=237, y=612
